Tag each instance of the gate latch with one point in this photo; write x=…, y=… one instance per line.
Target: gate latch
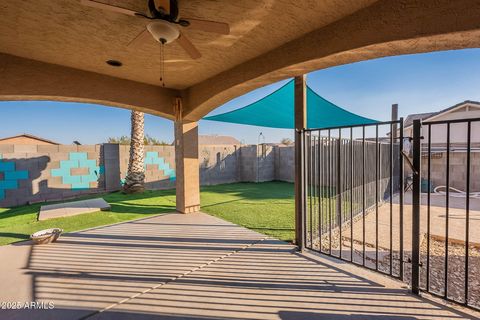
x=409, y=162
x=409, y=260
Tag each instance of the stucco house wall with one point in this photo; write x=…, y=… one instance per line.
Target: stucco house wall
x=458, y=131
x=458, y=144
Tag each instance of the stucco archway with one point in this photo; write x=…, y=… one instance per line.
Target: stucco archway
x=269, y=41
x=57, y=51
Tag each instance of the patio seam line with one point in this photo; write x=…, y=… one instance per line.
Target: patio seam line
x=136, y=295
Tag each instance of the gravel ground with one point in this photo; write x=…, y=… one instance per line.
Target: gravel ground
x=456, y=269
x=456, y=262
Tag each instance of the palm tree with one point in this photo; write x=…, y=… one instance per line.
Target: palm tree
x=135, y=180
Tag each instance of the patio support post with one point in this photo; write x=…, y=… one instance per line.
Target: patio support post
x=300, y=125
x=186, y=162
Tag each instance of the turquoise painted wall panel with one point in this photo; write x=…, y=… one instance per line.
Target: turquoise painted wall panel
x=10, y=176
x=8, y=184
x=78, y=156
x=16, y=175
x=7, y=166
x=80, y=186
x=69, y=164
x=60, y=172
x=91, y=164
x=78, y=160
x=152, y=157
x=71, y=179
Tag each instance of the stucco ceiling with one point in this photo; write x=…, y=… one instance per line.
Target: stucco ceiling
x=56, y=49
x=64, y=32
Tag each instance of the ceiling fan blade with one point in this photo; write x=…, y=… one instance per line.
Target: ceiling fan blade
x=208, y=26
x=142, y=37
x=103, y=6
x=188, y=47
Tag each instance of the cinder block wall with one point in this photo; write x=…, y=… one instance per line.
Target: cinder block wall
x=265, y=163
x=458, y=170
x=248, y=168
x=284, y=163
x=219, y=164
x=159, y=166
x=39, y=173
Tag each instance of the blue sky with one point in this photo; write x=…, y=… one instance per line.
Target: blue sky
x=418, y=83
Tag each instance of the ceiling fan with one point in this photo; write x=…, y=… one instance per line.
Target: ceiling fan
x=165, y=24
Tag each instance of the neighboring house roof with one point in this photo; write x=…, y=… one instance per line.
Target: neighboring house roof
x=425, y=116
x=417, y=116
x=30, y=136
x=215, y=139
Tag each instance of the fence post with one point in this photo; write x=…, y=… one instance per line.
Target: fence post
x=417, y=126
x=401, y=196
x=338, y=187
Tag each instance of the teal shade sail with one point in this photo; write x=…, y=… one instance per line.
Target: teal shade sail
x=276, y=110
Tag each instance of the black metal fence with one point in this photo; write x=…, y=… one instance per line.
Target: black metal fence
x=447, y=243
x=354, y=200
x=353, y=192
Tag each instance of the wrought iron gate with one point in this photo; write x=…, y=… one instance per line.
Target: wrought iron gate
x=365, y=185
x=353, y=205
x=446, y=238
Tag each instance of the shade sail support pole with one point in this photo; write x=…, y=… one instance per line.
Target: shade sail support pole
x=300, y=98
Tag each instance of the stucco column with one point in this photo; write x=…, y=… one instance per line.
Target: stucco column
x=186, y=161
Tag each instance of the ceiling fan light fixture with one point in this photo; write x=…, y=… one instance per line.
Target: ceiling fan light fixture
x=163, y=31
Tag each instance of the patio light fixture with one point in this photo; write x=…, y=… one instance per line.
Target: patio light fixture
x=114, y=63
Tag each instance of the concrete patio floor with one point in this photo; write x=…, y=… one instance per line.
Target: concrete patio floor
x=196, y=266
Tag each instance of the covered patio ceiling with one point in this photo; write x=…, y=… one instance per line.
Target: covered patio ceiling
x=57, y=49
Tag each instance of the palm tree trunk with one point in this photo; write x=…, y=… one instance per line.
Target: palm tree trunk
x=135, y=180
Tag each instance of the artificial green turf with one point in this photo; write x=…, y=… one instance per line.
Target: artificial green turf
x=265, y=207
x=18, y=223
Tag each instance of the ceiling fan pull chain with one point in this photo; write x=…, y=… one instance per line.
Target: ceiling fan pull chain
x=162, y=64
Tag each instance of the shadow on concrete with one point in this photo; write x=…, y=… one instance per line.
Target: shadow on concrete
x=200, y=267
x=292, y=315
